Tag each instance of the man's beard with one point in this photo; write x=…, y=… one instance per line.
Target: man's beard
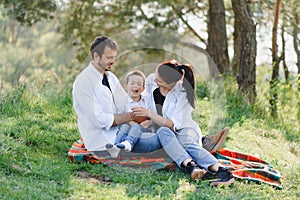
x=104, y=68
x=101, y=65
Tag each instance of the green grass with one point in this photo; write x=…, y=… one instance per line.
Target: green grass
x=38, y=128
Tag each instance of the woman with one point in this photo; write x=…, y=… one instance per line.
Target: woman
x=172, y=90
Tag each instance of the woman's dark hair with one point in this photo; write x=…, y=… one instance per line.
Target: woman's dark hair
x=100, y=43
x=171, y=71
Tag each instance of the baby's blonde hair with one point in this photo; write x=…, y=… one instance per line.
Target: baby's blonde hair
x=135, y=72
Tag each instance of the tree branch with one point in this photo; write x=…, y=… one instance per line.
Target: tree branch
x=179, y=14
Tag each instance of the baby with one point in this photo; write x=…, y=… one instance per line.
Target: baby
x=128, y=134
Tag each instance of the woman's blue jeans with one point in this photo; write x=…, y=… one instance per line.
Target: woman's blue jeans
x=179, y=146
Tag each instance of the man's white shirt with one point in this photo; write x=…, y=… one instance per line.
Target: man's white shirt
x=96, y=105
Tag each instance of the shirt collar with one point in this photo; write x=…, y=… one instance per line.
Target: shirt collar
x=130, y=100
x=92, y=67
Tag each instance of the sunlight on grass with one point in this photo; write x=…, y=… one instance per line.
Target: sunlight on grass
x=260, y=142
x=184, y=189
x=89, y=189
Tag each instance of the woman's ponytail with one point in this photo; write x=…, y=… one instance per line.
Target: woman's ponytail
x=171, y=71
x=189, y=83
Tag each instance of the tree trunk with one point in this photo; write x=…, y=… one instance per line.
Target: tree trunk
x=275, y=63
x=297, y=50
x=285, y=68
x=296, y=46
x=237, y=47
x=217, y=46
x=245, y=50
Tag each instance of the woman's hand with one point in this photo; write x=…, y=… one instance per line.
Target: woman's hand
x=157, y=119
x=141, y=111
x=138, y=119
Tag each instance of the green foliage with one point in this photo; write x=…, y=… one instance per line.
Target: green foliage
x=82, y=21
x=28, y=13
x=238, y=111
x=26, y=51
x=287, y=122
x=202, y=91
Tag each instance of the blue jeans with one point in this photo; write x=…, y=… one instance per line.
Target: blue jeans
x=191, y=142
x=185, y=145
x=141, y=140
x=179, y=147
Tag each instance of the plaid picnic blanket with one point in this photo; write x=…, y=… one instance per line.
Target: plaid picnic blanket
x=249, y=167
x=242, y=166
x=155, y=160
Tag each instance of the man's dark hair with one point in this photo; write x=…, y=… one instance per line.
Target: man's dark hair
x=100, y=43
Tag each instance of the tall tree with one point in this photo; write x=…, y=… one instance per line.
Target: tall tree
x=275, y=63
x=283, y=55
x=217, y=38
x=296, y=42
x=237, y=39
x=245, y=30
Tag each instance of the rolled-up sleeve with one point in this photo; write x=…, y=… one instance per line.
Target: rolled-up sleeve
x=177, y=108
x=105, y=120
x=177, y=115
x=181, y=115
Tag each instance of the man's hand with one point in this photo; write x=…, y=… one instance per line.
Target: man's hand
x=138, y=119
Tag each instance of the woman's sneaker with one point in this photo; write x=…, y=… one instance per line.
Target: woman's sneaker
x=195, y=171
x=225, y=177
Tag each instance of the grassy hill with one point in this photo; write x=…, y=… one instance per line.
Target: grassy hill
x=38, y=128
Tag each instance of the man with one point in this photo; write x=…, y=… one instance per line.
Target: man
x=98, y=97
x=100, y=103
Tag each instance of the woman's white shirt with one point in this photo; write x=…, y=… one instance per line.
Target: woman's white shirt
x=176, y=106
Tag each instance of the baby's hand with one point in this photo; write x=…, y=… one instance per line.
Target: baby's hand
x=146, y=123
x=131, y=123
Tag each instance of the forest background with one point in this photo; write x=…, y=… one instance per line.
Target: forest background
x=45, y=44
